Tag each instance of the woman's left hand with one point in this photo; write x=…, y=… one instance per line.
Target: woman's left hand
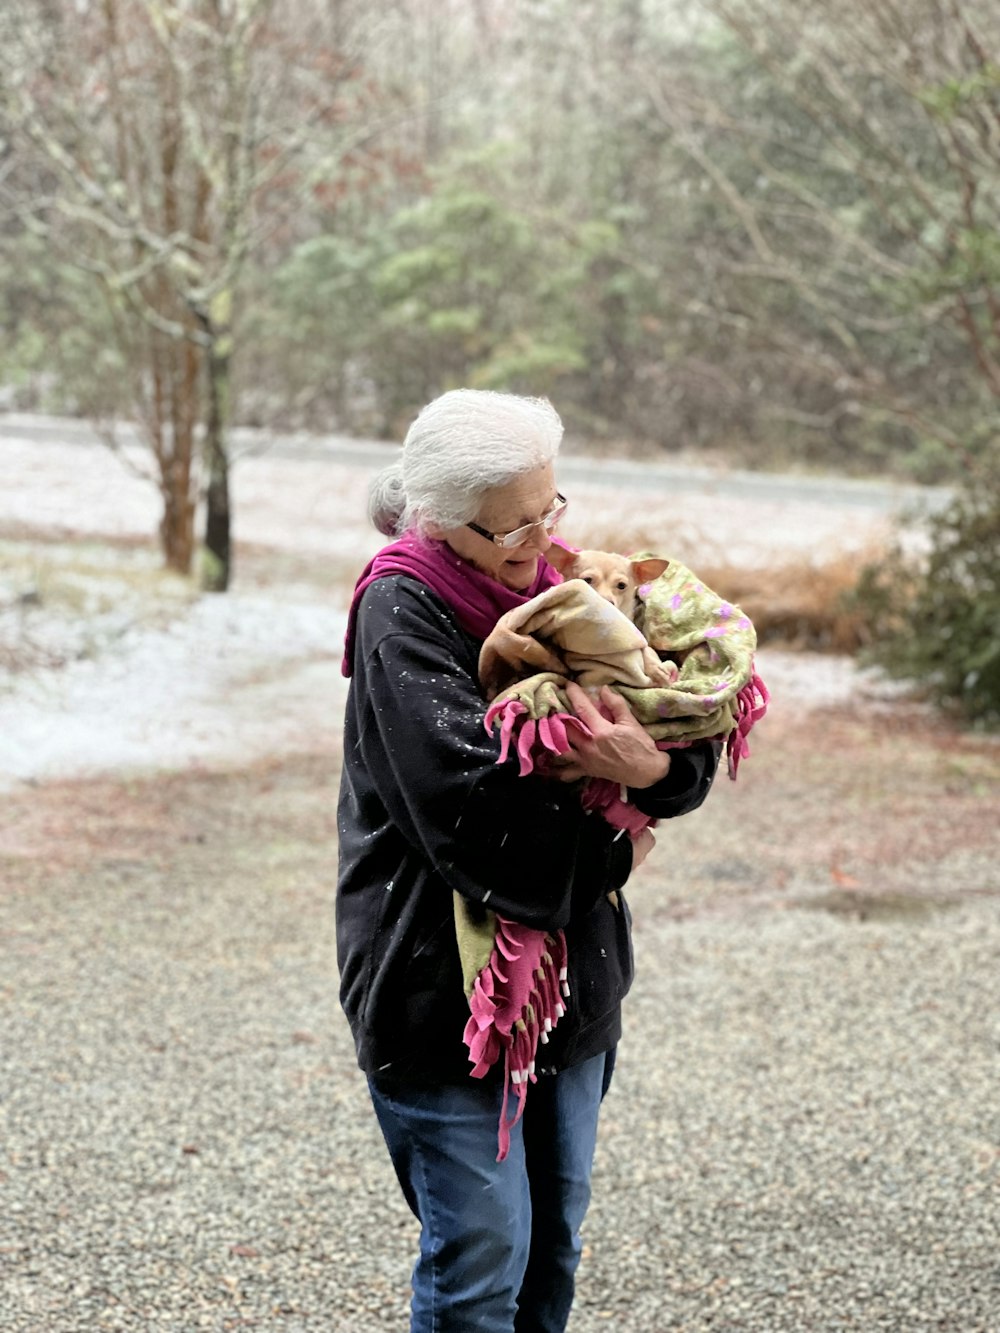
x=619, y=749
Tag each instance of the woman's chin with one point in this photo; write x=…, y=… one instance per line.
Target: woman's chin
x=520, y=575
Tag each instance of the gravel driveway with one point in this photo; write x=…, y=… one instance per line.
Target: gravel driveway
x=804, y=1131
x=803, y=1134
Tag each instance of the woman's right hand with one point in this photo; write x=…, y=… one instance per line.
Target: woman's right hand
x=615, y=746
x=643, y=843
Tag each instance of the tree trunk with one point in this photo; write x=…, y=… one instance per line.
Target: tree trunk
x=217, y=562
x=177, y=527
x=172, y=431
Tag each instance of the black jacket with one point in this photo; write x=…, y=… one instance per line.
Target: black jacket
x=425, y=809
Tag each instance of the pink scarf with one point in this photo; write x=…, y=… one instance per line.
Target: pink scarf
x=477, y=599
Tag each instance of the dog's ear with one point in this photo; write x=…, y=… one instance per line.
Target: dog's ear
x=644, y=571
x=561, y=559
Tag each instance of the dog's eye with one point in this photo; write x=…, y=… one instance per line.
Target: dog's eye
x=588, y=578
x=621, y=585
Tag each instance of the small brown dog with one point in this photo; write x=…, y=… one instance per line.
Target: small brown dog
x=615, y=577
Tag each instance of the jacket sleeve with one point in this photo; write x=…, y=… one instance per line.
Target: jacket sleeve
x=689, y=778
x=523, y=847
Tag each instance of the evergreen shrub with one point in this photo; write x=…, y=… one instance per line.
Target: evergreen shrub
x=935, y=619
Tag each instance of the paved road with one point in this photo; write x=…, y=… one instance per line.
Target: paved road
x=872, y=496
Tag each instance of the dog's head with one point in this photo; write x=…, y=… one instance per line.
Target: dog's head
x=615, y=577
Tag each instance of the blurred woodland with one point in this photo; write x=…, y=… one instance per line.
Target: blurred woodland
x=765, y=229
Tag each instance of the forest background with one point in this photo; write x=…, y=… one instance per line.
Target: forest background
x=726, y=229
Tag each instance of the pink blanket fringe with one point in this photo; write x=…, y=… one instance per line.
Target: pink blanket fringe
x=751, y=705
x=516, y=1001
x=534, y=741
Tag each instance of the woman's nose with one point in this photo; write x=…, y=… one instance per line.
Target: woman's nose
x=540, y=538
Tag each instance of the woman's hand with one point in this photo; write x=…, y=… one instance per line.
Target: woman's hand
x=619, y=749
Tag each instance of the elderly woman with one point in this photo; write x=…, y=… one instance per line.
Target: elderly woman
x=425, y=812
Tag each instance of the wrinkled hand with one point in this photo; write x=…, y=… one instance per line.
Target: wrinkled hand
x=619, y=748
x=643, y=843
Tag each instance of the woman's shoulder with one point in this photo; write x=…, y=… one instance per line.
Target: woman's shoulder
x=397, y=612
x=400, y=603
x=399, y=588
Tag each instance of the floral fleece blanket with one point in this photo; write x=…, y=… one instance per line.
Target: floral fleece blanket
x=686, y=669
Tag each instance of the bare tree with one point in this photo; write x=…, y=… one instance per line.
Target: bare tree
x=158, y=144
x=871, y=200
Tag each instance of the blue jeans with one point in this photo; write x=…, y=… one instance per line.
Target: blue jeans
x=499, y=1241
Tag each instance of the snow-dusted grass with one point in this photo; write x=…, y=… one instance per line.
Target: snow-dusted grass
x=232, y=679
x=63, y=601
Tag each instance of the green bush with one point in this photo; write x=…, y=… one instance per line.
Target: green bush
x=937, y=620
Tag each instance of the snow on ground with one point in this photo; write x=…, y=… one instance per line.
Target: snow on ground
x=231, y=679
x=218, y=680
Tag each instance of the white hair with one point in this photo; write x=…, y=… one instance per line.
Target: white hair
x=461, y=445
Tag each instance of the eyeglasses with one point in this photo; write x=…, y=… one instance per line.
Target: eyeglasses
x=520, y=535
